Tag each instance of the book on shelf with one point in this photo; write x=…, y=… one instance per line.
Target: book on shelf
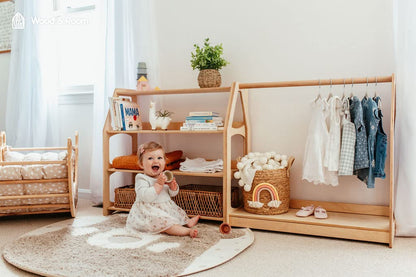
x=115, y=111
x=199, y=127
x=130, y=114
x=217, y=123
x=205, y=117
x=203, y=113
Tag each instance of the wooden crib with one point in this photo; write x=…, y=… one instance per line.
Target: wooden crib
x=45, y=180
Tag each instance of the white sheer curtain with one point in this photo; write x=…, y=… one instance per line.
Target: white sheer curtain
x=405, y=132
x=127, y=37
x=31, y=95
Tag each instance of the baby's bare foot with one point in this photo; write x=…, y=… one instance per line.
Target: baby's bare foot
x=193, y=221
x=193, y=233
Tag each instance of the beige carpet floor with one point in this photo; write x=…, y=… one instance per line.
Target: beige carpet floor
x=272, y=253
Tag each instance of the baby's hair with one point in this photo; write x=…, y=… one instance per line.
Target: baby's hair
x=148, y=147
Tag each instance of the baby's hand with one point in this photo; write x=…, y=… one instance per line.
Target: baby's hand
x=173, y=185
x=161, y=179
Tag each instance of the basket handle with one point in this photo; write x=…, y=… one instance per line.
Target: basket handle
x=289, y=165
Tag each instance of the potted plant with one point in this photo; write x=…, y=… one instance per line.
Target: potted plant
x=208, y=60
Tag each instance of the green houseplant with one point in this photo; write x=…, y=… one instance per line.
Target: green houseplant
x=208, y=60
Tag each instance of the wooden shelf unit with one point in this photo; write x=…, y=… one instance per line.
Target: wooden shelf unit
x=348, y=221
x=230, y=127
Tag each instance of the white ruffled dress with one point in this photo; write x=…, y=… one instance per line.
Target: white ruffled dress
x=152, y=212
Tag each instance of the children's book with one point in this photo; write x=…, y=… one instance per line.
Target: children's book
x=115, y=111
x=202, y=113
x=131, y=118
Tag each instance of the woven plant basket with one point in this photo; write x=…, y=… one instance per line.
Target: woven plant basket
x=209, y=78
x=269, y=186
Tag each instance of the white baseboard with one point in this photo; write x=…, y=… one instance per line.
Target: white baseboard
x=84, y=193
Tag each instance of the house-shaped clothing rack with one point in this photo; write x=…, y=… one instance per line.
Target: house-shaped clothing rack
x=373, y=223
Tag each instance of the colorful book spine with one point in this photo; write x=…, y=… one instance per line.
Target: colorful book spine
x=123, y=123
x=207, y=117
x=202, y=113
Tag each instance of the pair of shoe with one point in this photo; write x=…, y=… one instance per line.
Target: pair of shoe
x=318, y=212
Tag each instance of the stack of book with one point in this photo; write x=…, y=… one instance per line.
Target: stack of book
x=202, y=121
x=125, y=114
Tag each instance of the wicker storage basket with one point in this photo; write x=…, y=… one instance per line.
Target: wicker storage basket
x=209, y=78
x=270, y=191
x=194, y=199
x=203, y=200
x=124, y=197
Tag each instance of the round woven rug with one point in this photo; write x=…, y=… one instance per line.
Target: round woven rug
x=99, y=246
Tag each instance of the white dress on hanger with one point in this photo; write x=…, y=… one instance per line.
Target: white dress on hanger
x=313, y=168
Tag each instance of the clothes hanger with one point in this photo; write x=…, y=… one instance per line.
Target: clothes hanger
x=366, y=90
x=343, y=93
x=318, y=97
x=330, y=91
x=352, y=86
x=379, y=104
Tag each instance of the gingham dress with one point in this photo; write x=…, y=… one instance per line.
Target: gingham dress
x=346, y=158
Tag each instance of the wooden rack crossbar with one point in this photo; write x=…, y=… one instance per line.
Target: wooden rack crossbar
x=326, y=82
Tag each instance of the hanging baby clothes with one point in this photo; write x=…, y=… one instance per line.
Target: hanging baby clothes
x=346, y=158
x=316, y=141
x=361, y=150
x=331, y=159
x=380, y=151
x=371, y=120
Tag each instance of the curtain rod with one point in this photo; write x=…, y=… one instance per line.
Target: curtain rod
x=323, y=82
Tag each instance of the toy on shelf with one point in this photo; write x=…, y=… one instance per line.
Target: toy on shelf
x=159, y=119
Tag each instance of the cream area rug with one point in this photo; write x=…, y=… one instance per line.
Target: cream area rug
x=100, y=246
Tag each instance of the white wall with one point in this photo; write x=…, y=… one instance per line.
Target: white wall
x=277, y=41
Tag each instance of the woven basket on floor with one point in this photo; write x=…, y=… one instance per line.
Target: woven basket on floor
x=204, y=200
x=209, y=78
x=270, y=191
x=124, y=197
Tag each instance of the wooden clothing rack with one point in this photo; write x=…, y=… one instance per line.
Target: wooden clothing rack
x=373, y=223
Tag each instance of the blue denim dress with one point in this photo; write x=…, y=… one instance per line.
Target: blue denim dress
x=371, y=120
x=361, y=149
x=381, y=145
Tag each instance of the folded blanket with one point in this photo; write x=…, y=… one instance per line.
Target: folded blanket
x=130, y=162
x=201, y=165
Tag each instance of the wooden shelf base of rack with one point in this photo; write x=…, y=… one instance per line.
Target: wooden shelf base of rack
x=374, y=228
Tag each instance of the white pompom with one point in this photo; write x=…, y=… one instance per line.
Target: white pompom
x=277, y=157
x=240, y=165
x=259, y=167
x=275, y=166
x=284, y=157
x=244, y=159
x=268, y=155
x=257, y=154
x=263, y=160
x=237, y=175
x=284, y=163
x=256, y=163
x=241, y=183
x=267, y=167
x=273, y=153
x=247, y=187
x=250, y=155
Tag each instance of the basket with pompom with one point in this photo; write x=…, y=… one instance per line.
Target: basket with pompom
x=265, y=181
